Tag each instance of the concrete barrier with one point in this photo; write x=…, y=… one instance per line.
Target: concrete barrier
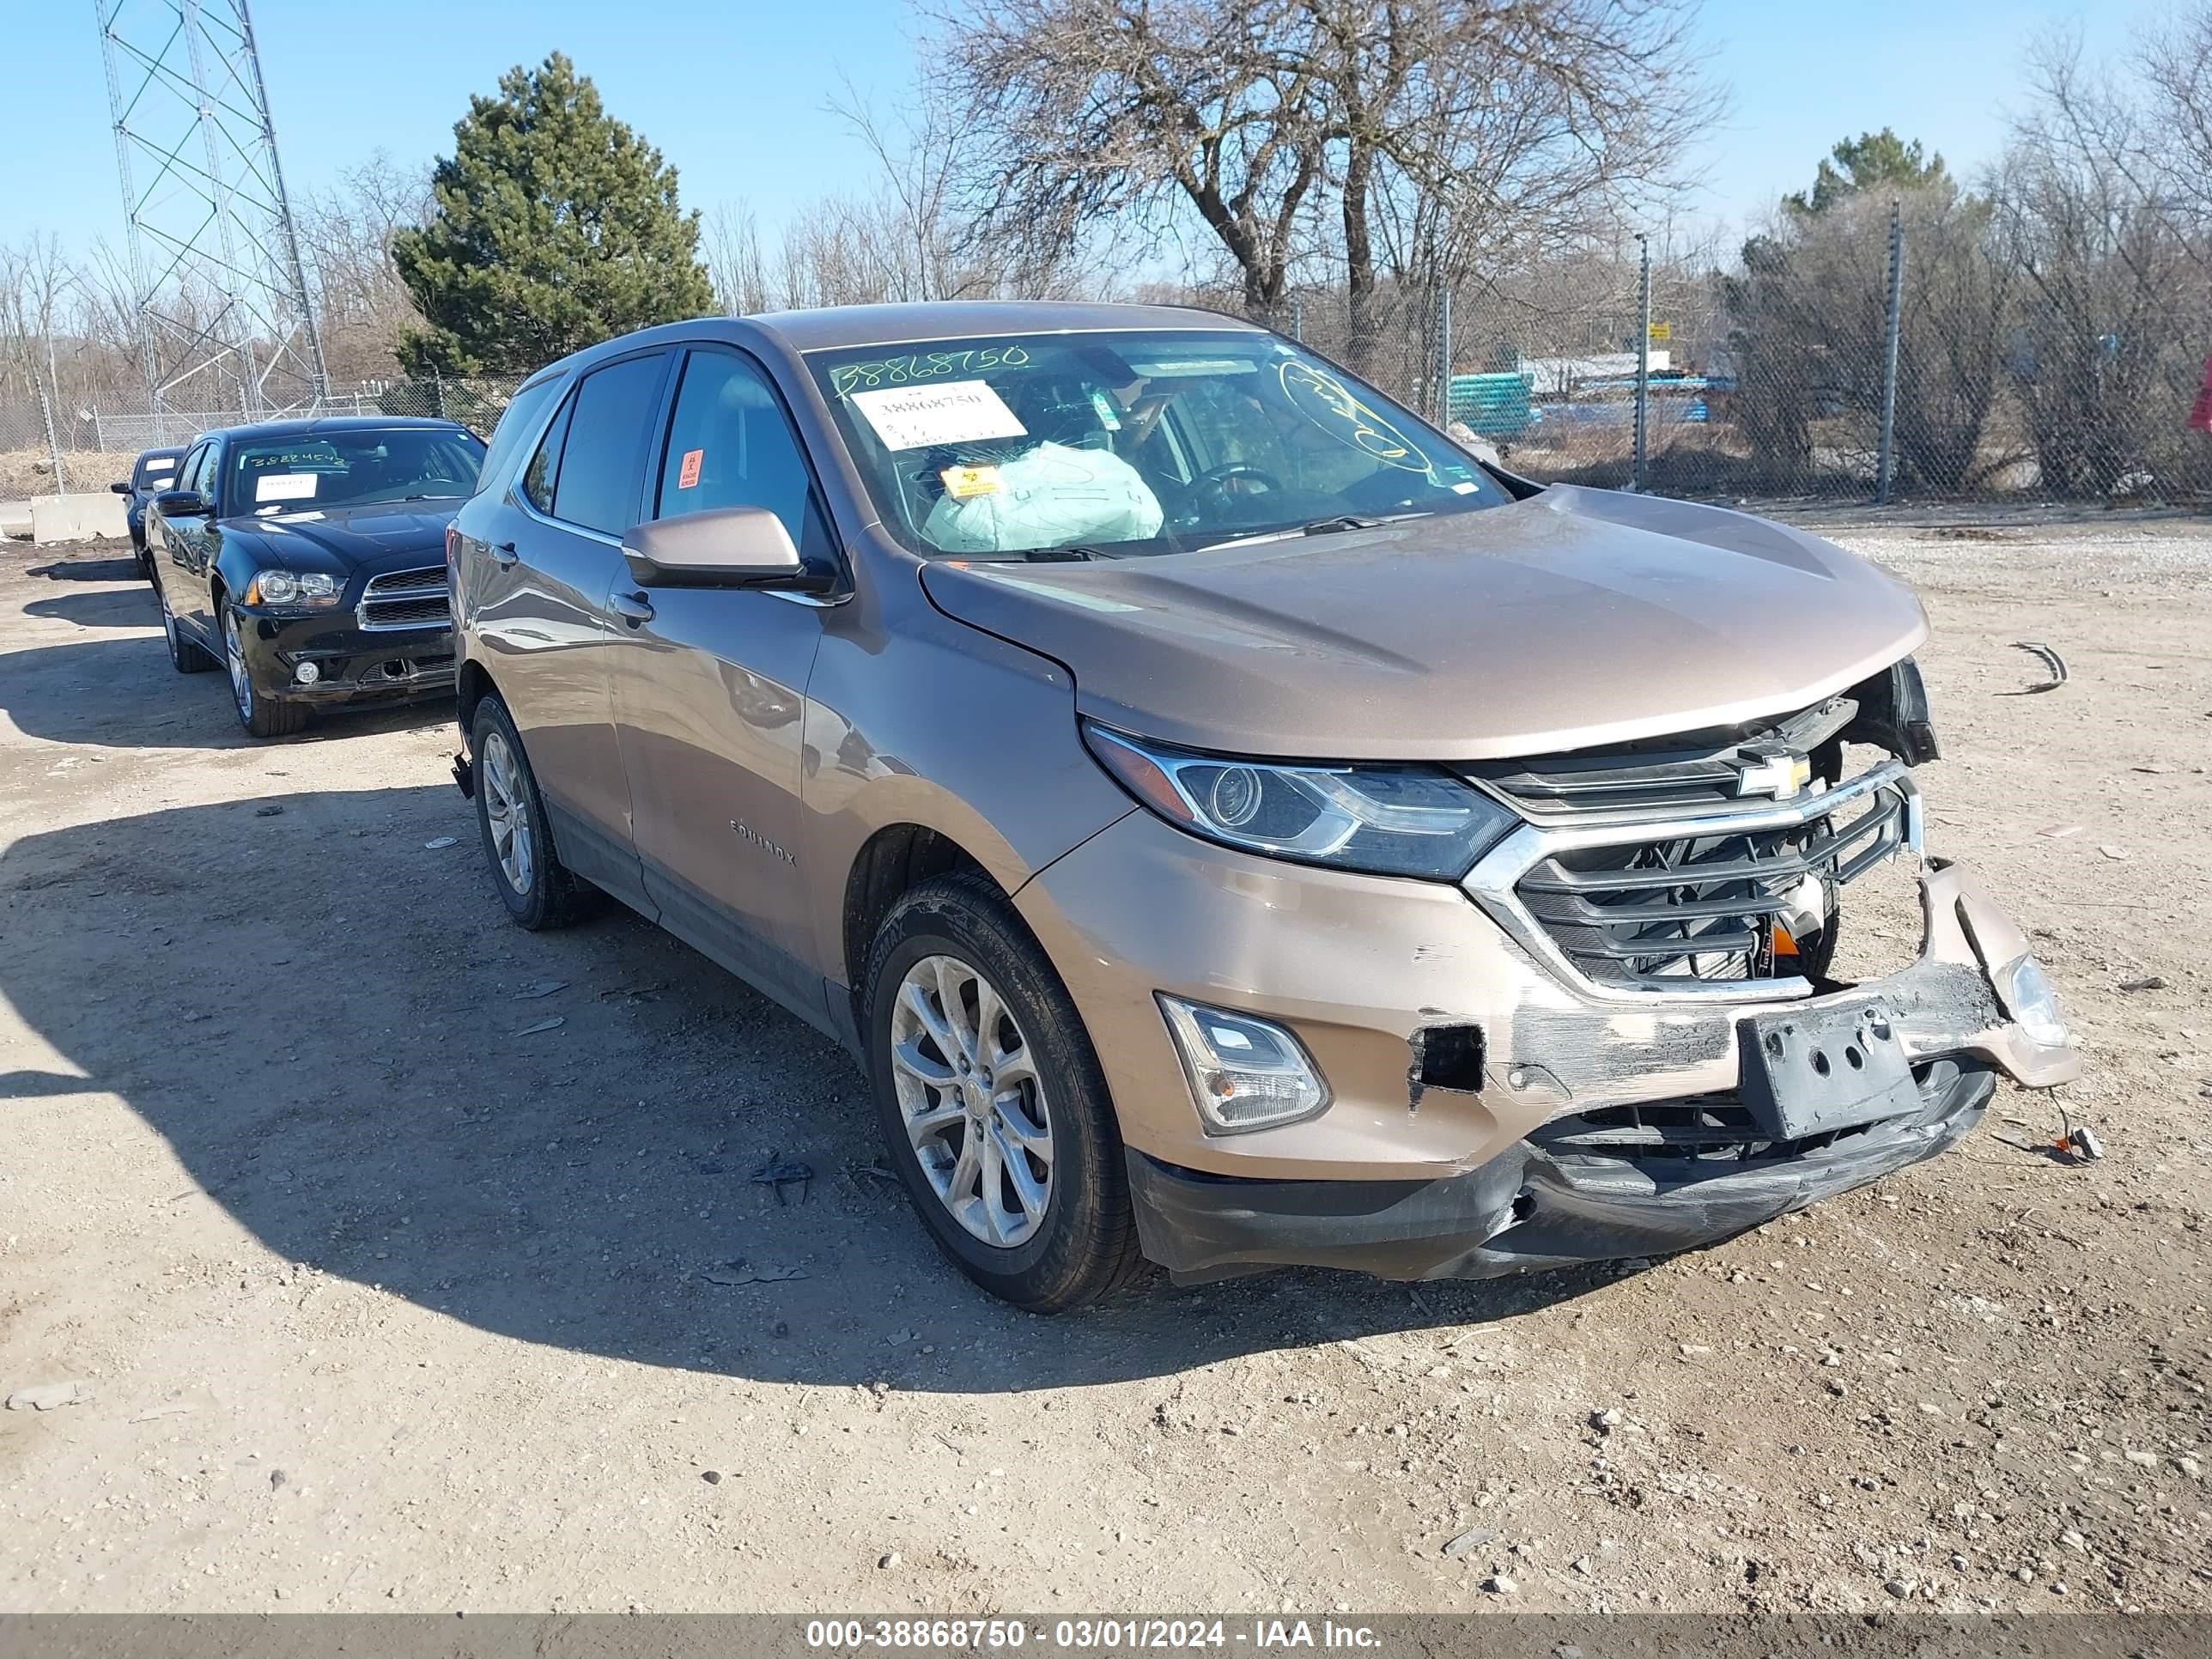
x=15, y=518
x=77, y=518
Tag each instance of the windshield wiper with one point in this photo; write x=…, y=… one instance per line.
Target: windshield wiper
x=1315, y=527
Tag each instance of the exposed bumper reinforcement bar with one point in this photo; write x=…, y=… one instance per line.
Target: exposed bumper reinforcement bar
x=1538, y=1206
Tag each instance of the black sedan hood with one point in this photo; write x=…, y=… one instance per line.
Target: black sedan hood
x=342, y=540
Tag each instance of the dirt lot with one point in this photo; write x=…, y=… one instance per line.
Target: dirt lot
x=383, y=1294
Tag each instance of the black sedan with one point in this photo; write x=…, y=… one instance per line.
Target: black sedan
x=309, y=558
x=154, y=471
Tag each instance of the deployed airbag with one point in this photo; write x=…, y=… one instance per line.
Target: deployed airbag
x=1051, y=496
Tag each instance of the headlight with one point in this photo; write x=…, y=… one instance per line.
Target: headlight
x=292, y=587
x=1387, y=820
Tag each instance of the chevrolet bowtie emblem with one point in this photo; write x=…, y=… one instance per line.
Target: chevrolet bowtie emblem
x=1779, y=775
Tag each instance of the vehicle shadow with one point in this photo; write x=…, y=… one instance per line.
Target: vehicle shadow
x=555, y=1137
x=120, y=691
x=107, y=607
x=106, y=565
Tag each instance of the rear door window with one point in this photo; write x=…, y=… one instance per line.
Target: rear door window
x=730, y=444
x=603, y=456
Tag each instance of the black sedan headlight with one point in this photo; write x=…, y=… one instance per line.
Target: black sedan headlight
x=275, y=586
x=1387, y=820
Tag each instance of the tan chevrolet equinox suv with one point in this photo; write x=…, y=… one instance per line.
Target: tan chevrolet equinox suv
x=1231, y=824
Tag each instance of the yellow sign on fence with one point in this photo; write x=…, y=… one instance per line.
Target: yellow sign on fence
x=1662, y=332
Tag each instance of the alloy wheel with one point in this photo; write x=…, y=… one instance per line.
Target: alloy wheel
x=506, y=813
x=233, y=652
x=974, y=1106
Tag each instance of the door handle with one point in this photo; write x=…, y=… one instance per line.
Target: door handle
x=504, y=556
x=632, y=608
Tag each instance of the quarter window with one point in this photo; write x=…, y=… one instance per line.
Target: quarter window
x=603, y=453
x=545, y=465
x=515, y=424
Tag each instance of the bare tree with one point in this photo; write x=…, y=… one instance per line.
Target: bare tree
x=2114, y=312
x=346, y=233
x=1377, y=139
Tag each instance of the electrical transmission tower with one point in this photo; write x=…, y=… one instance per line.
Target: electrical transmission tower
x=224, y=320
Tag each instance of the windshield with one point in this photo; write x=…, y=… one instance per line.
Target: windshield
x=352, y=469
x=1130, y=442
x=157, y=468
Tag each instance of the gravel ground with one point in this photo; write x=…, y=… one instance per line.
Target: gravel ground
x=379, y=1291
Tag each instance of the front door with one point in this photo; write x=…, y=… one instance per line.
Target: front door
x=710, y=687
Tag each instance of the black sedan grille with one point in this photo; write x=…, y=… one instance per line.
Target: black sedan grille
x=405, y=599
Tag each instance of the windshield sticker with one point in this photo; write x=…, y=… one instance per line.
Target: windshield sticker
x=284, y=487
x=1463, y=488
x=964, y=483
x=955, y=412
x=687, y=477
x=845, y=379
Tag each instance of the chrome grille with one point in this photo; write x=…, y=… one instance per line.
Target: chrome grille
x=405, y=599
x=1685, y=905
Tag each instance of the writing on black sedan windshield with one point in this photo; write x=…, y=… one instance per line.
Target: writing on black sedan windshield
x=1131, y=442
x=352, y=469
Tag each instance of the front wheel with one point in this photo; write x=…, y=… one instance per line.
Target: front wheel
x=991, y=1100
x=263, y=717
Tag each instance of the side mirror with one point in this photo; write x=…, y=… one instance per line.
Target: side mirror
x=183, y=504
x=726, y=547
x=123, y=489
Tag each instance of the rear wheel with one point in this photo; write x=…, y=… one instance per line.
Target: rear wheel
x=264, y=717
x=537, y=889
x=991, y=1100
x=183, y=656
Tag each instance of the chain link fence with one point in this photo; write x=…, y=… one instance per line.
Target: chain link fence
x=1886, y=356
x=1906, y=353
x=89, y=449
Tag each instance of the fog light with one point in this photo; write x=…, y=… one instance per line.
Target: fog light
x=1244, y=1073
x=306, y=673
x=2029, y=999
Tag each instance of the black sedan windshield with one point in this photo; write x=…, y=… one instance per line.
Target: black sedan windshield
x=1132, y=441
x=350, y=469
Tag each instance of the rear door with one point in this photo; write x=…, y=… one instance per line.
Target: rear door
x=710, y=687
x=540, y=612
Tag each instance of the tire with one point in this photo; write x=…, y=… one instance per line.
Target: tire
x=183, y=656
x=262, y=716
x=1079, y=1243
x=537, y=889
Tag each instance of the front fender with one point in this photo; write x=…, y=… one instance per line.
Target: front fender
x=934, y=723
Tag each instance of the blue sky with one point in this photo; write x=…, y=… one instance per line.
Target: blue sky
x=732, y=93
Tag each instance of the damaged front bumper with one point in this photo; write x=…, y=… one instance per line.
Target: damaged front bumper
x=349, y=664
x=1584, y=1129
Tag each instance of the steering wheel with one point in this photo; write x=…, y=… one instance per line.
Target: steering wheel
x=1216, y=479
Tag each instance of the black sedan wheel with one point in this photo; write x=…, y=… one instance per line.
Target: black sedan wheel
x=183, y=656
x=263, y=716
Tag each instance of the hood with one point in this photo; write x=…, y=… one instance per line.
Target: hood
x=1574, y=618
x=376, y=538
